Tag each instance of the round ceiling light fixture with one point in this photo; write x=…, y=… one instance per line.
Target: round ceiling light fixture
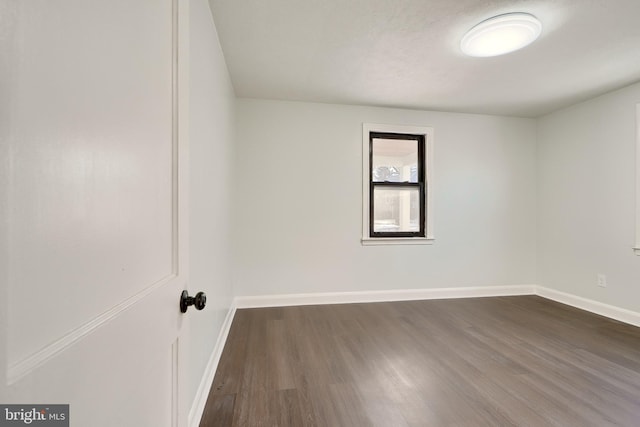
x=501, y=34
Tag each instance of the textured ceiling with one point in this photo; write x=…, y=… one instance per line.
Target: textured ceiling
x=405, y=53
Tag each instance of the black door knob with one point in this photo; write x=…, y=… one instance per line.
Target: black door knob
x=199, y=301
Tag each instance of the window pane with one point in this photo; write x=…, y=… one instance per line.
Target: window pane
x=395, y=160
x=396, y=210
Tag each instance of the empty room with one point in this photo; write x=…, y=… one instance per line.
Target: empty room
x=320, y=213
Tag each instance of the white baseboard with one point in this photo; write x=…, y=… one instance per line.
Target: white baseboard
x=199, y=402
x=380, y=296
x=610, y=311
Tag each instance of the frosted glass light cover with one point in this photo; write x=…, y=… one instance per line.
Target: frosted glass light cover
x=501, y=34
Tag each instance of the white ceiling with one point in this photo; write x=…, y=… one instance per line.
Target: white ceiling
x=405, y=53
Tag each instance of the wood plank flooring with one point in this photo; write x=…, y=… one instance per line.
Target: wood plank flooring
x=505, y=361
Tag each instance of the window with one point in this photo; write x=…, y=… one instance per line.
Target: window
x=397, y=185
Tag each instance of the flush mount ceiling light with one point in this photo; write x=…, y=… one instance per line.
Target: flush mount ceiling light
x=501, y=34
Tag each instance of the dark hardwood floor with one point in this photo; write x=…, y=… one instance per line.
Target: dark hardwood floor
x=523, y=361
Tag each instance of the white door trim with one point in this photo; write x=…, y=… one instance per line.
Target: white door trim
x=24, y=367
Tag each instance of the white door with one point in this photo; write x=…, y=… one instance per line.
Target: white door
x=94, y=206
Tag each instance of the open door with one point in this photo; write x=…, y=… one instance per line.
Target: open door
x=95, y=234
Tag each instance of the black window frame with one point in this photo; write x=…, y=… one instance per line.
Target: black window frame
x=420, y=184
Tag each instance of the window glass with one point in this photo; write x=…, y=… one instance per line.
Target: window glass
x=396, y=209
x=394, y=160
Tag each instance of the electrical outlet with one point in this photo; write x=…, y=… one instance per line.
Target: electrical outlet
x=602, y=280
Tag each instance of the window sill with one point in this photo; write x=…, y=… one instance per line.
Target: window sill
x=368, y=241
x=636, y=250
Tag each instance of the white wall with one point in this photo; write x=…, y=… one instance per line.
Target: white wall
x=211, y=146
x=297, y=217
x=586, y=181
